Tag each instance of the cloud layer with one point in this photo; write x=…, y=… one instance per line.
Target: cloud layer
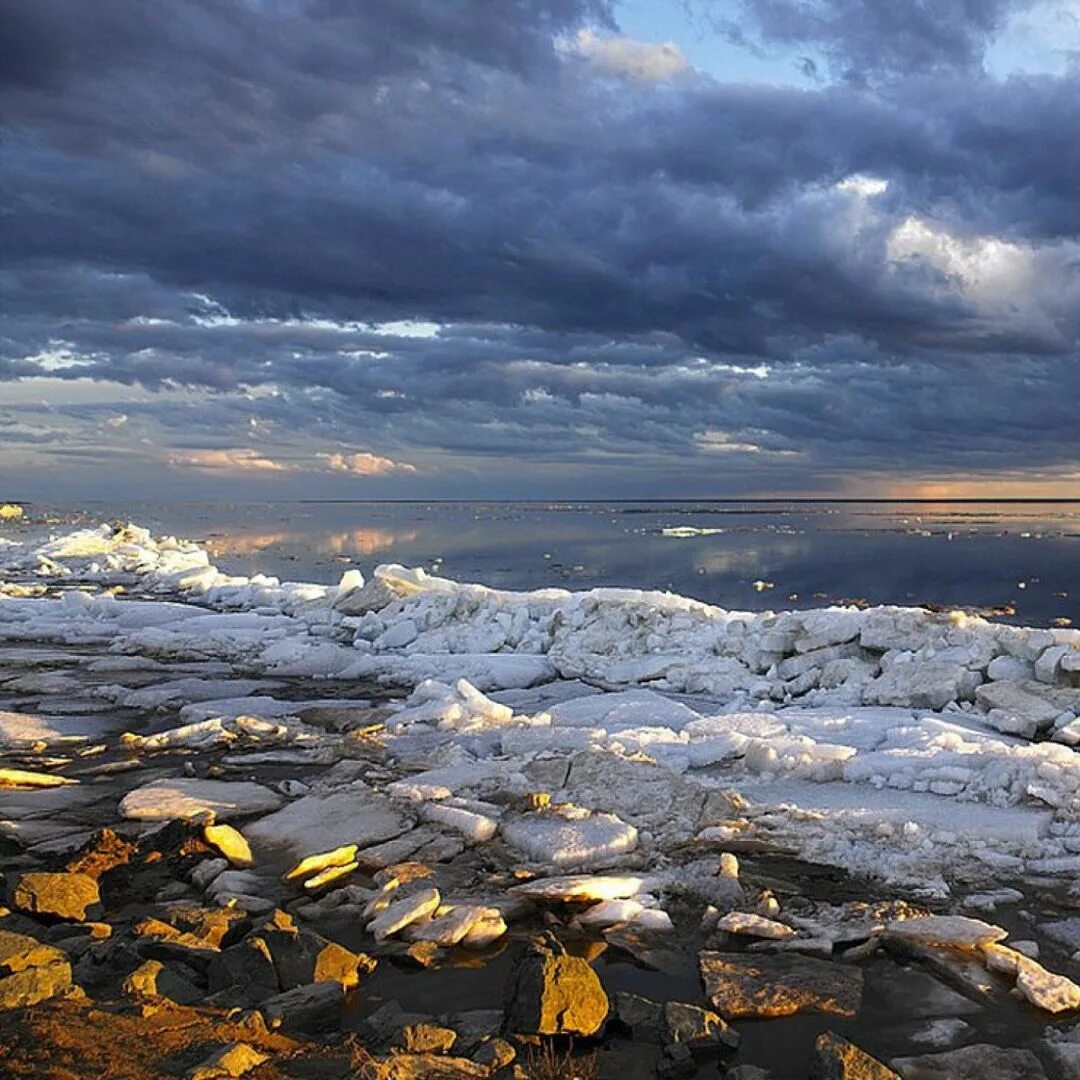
x=464, y=248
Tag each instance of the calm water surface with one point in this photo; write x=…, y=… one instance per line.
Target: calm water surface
x=1020, y=558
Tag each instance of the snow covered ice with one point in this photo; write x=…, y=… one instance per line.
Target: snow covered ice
x=891, y=741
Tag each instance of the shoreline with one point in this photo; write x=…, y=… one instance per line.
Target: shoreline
x=642, y=743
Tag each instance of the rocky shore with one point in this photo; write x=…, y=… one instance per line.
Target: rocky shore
x=255, y=828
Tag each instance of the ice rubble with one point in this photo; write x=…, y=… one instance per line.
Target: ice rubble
x=889, y=739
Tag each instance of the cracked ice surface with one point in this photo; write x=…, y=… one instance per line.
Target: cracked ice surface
x=893, y=741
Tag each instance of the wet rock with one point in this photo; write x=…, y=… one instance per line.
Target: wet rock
x=153, y=979
x=552, y=993
x=700, y=1030
x=310, y=1008
x=747, y=1072
x=944, y=1031
x=677, y=1062
x=645, y=948
x=914, y=995
x=739, y=985
x=30, y=971
x=56, y=896
x=837, y=1059
x=423, y=954
x=642, y=1016
x=230, y=1061
x=979, y=1062
x=959, y=968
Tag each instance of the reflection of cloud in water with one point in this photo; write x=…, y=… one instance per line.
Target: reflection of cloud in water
x=359, y=541
x=748, y=561
x=244, y=544
x=365, y=541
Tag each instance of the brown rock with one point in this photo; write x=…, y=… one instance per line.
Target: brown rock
x=230, y=1061
x=104, y=852
x=55, y=896
x=740, y=985
x=425, y=1038
x=153, y=979
x=837, y=1059
x=431, y=1067
x=700, y=1030
x=552, y=993
x=29, y=971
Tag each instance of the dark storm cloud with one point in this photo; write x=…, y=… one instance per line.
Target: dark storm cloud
x=219, y=200
x=863, y=38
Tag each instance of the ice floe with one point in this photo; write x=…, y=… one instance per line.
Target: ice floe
x=890, y=740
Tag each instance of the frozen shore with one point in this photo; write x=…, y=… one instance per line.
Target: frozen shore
x=421, y=768
x=890, y=741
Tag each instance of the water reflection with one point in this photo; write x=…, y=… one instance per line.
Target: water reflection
x=1020, y=559
x=358, y=541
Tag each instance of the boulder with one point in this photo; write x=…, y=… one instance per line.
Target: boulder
x=278, y=955
x=837, y=1059
x=744, y=986
x=56, y=896
x=153, y=979
x=30, y=971
x=233, y=1060
x=978, y=1062
x=425, y=1038
x=431, y=1067
x=553, y=993
x=314, y=1007
x=701, y=1030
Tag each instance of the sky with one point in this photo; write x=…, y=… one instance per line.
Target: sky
x=555, y=249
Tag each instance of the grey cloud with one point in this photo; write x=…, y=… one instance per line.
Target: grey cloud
x=862, y=38
x=222, y=225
